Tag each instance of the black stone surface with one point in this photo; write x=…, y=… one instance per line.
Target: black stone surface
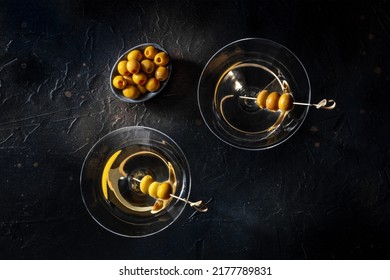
x=323, y=194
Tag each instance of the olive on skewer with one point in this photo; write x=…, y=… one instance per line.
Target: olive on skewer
x=164, y=191
x=274, y=101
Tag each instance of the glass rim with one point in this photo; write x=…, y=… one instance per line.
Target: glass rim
x=176, y=146
x=219, y=51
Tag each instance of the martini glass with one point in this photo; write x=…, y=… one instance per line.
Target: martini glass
x=111, y=175
x=232, y=79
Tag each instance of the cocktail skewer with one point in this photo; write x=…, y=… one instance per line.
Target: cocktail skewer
x=284, y=101
x=198, y=205
x=327, y=104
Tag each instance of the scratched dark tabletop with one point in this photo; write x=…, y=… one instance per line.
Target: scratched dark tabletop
x=323, y=194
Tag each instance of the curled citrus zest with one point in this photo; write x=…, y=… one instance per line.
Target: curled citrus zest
x=106, y=170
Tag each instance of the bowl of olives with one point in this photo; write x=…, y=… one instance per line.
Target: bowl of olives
x=249, y=91
x=140, y=73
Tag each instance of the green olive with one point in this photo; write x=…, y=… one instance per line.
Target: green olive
x=133, y=66
x=161, y=59
x=261, y=98
x=140, y=78
x=286, y=102
x=122, y=69
x=161, y=73
x=153, y=189
x=152, y=84
x=131, y=92
x=272, y=101
x=146, y=181
x=142, y=89
x=129, y=80
x=164, y=190
x=134, y=54
x=119, y=82
x=150, y=52
x=147, y=66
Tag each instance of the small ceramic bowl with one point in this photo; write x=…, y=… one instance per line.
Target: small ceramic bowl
x=145, y=96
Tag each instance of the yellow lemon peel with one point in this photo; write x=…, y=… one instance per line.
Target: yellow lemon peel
x=106, y=170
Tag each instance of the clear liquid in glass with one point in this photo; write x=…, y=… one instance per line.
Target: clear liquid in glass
x=244, y=115
x=131, y=165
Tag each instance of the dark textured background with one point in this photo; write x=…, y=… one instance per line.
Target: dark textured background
x=323, y=194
